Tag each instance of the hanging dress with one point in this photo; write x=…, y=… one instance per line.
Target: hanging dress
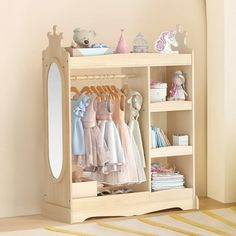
x=110, y=135
x=134, y=102
x=96, y=150
x=130, y=167
x=78, y=108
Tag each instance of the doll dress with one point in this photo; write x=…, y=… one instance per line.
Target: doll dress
x=110, y=135
x=96, y=150
x=179, y=93
x=130, y=166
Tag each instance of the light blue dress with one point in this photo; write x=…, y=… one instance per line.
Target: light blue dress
x=78, y=108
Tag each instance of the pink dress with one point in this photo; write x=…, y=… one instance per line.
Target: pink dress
x=115, y=168
x=110, y=135
x=130, y=167
x=96, y=150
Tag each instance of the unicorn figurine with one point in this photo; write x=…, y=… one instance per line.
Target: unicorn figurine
x=165, y=42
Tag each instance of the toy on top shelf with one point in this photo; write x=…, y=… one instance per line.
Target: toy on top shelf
x=122, y=46
x=140, y=44
x=84, y=38
x=177, y=91
x=165, y=42
x=169, y=39
x=181, y=37
x=83, y=44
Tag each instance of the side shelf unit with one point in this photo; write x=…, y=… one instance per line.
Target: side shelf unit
x=75, y=202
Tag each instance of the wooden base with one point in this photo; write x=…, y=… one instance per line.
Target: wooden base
x=122, y=205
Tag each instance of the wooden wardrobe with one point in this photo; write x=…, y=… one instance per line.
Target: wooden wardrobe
x=74, y=202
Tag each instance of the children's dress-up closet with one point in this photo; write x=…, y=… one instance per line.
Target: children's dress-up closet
x=99, y=159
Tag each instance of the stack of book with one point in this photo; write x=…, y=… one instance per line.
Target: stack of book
x=159, y=139
x=165, y=178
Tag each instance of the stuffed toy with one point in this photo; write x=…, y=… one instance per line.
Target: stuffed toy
x=84, y=38
x=177, y=91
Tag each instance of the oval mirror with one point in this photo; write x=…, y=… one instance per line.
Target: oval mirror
x=55, y=141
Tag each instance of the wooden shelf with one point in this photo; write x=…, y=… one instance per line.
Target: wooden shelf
x=171, y=106
x=130, y=60
x=171, y=151
x=178, y=193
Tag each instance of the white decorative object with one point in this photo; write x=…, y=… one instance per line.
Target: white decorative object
x=180, y=140
x=165, y=42
x=140, y=44
x=158, y=92
x=181, y=38
x=77, y=52
x=92, y=51
x=177, y=91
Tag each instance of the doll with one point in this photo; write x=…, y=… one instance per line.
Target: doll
x=177, y=91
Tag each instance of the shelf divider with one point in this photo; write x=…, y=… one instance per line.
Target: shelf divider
x=171, y=151
x=171, y=106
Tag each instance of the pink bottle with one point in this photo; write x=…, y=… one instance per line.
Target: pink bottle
x=122, y=46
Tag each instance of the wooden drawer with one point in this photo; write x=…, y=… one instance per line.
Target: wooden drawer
x=84, y=189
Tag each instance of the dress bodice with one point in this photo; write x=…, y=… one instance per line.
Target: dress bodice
x=89, y=118
x=79, y=106
x=104, y=110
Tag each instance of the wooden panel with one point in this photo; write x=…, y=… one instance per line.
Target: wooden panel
x=56, y=212
x=171, y=106
x=84, y=189
x=132, y=204
x=130, y=60
x=171, y=151
x=57, y=191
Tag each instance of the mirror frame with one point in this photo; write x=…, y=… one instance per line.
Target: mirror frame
x=60, y=177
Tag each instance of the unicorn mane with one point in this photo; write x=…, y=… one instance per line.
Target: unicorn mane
x=161, y=42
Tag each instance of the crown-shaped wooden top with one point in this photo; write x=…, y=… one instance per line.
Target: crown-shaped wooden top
x=54, y=38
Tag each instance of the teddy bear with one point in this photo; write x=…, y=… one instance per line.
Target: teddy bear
x=84, y=38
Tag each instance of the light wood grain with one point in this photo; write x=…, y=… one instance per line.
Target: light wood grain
x=130, y=60
x=171, y=151
x=171, y=106
x=57, y=191
x=74, y=202
x=84, y=189
x=131, y=204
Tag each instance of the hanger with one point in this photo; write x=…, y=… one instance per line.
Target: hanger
x=95, y=90
x=125, y=88
x=86, y=90
x=101, y=89
x=75, y=90
x=116, y=91
x=112, y=93
x=105, y=88
x=101, y=92
x=104, y=91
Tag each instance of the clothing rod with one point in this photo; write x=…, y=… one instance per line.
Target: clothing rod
x=103, y=76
